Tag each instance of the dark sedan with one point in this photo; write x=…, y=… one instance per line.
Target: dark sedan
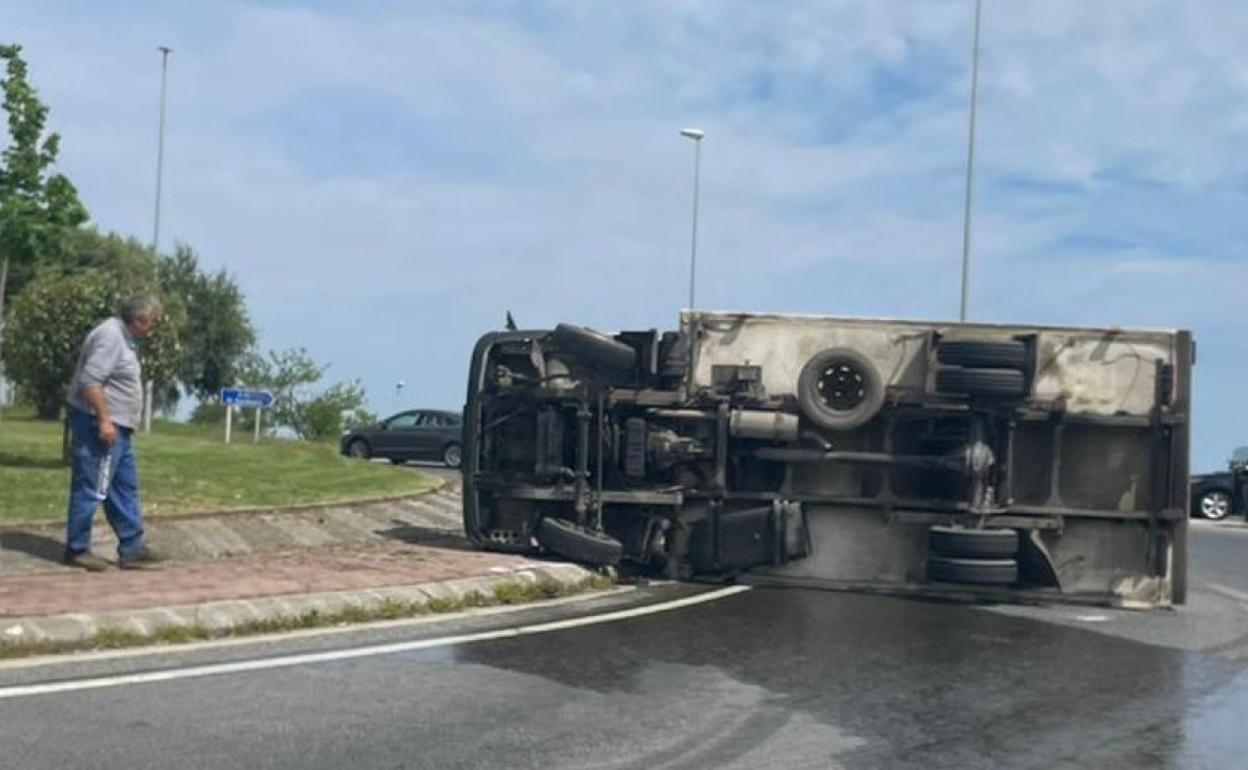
x=422, y=434
x=1218, y=495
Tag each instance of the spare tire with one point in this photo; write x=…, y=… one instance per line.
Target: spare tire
x=1007, y=354
x=973, y=543
x=594, y=348
x=981, y=382
x=840, y=389
x=572, y=541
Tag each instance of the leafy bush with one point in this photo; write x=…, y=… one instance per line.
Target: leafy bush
x=290, y=375
x=49, y=319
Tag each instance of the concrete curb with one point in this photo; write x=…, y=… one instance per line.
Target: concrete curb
x=59, y=523
x=224, y=615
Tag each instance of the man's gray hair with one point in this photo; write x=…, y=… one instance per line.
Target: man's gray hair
x=140, y=306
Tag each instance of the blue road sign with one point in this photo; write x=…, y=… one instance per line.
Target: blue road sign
x=246, y=397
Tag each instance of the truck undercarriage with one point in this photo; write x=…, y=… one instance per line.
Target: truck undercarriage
x=980, y=460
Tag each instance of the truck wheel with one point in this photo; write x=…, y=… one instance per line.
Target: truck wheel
x=973, y=543
x=594, y=348
x=1214, y=505
x=1010, y=354
x=996, y=572
x=578, y=543
x=980, y=382
x=839, y=389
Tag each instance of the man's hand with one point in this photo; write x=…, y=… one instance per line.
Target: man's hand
x=108, y=431
x=94, y=396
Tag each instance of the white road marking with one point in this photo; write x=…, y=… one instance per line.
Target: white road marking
x=1228, y=592
x=241, y=666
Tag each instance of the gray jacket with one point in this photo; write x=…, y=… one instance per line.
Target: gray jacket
x=109, y=358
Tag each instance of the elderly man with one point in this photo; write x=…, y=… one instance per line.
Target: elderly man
x=105, y=405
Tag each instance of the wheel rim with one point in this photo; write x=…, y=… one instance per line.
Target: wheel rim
x=357, y=449
x=841, y=387
x=451, y=456
x=1215, y=505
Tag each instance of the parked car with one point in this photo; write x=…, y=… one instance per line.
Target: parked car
x=422, y=434
x=1218, y=495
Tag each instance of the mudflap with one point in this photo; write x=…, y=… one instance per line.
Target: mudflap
x=1035, y=563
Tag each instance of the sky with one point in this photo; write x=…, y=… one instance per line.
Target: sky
x=386, y=179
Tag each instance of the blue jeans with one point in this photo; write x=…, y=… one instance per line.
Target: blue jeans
x=120, y=495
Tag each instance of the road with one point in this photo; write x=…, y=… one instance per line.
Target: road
x=764, y=678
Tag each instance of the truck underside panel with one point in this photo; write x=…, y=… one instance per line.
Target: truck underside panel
x=1008, y=461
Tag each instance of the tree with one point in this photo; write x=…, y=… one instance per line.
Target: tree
x=218, y=332
x=289, y=375
x=136, y=269
x=322, y=416
x=39, y=210
x=49, y=320
x=88, y=249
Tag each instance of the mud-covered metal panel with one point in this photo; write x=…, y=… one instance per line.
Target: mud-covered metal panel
x=858, y=546
x=1108, y=559
x=1088, y=371
x=1102, y=373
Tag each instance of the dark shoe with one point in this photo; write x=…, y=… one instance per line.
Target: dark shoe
x=87, y=561
x=145, y=558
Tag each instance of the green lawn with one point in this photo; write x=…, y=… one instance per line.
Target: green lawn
x=185, y=468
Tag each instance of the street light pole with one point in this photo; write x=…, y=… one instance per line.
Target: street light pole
x=970, y=163
x=696, y=134
x=160, y=142
x=148, y=396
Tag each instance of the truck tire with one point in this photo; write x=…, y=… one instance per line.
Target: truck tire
x=980, y=382
x=839, y=389
x=578, y=543
x=1010, y=354
x=996, y=572
x=973, y=543
x=594, y=348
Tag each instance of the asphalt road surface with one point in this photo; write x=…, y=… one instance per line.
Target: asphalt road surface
x=755, y=679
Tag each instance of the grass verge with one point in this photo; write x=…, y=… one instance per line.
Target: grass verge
x=112, y=638
x=186, y=468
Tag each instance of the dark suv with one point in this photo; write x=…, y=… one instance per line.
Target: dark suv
x=1218, y=495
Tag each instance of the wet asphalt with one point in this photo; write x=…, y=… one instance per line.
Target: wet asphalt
x=769, y=678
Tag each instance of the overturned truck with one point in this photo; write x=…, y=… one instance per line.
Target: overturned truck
x=991, y=461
